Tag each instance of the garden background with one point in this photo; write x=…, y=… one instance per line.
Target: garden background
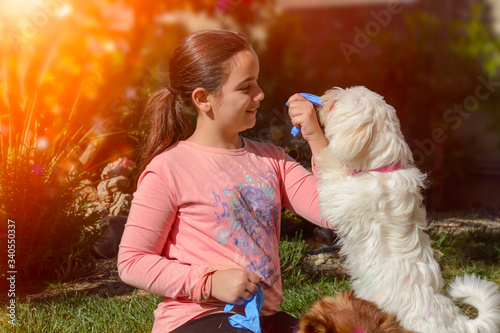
x=74, y=76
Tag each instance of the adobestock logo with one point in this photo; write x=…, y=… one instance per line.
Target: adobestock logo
x=363, y=38
x=29, y=26
x=454, y=117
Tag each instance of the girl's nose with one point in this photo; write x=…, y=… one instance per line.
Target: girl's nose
x=260, y=95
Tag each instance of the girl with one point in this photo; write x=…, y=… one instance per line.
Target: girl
x=204, y=225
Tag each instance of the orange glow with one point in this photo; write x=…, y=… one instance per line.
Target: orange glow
x=17, y=8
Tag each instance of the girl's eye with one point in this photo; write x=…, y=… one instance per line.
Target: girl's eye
x=245, y=88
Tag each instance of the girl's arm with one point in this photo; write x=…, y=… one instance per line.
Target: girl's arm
x=140, y=262
x=300, y=187
x=300, y=191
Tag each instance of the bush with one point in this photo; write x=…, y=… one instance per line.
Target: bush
x=44, y=136
x=53, y=234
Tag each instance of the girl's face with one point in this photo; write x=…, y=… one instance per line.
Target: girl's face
x=236, y=106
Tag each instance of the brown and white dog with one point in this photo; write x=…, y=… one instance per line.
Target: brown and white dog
x=370, y=191
x=348, y=314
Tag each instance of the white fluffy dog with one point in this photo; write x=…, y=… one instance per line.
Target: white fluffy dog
x=370, y=191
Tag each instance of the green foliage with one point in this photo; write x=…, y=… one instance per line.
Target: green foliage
x=291, y=254
x=301, y=288
x=300, y=297
x=79, y=312
x=473, y=251
x=52, y=229
x=476, y=40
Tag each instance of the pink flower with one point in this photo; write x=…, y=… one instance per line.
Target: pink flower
x=38, y=170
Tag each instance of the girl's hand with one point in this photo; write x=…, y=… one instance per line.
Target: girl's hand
x=234, y=286
x=304, y=115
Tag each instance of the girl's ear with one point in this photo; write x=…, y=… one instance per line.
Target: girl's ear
x=201, y=99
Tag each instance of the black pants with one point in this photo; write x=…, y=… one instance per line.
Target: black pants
x=280, y=322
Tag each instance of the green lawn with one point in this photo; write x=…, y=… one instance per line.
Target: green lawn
x=466, y=252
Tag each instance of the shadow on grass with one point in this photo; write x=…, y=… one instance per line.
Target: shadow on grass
x=103, y=281
x=478, y=245
x=68, y=290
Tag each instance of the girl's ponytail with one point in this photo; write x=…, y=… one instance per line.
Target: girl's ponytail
x=166, y=123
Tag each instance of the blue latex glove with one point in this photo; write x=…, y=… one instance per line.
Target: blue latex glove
x=316, y=100
x=250, y=320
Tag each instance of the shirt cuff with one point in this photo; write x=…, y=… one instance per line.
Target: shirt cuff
x=314, y=167
x=206, y=287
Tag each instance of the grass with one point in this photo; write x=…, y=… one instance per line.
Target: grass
x=470, y=252
x=78, y=312
x=301, y=289
x=467, y=252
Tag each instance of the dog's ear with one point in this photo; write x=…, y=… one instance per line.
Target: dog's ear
x=327, y=104
x=318, y=319
x=351, y=141
x=313, y=325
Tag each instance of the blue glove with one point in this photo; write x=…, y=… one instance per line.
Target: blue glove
x=250, y=320
x=316, y=100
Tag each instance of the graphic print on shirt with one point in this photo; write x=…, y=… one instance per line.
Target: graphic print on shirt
x=246, y=215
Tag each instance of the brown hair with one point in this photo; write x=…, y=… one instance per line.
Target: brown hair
x=346, y=314
x=199, y=60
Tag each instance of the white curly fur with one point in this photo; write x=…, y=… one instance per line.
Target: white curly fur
x=381, y=220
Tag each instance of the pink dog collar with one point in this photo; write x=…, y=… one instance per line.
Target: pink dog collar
x=385, y=169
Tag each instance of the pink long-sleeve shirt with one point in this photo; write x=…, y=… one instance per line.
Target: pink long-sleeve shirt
x=199, y=209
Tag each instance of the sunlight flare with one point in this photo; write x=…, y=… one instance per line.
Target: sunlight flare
x=19, y=8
